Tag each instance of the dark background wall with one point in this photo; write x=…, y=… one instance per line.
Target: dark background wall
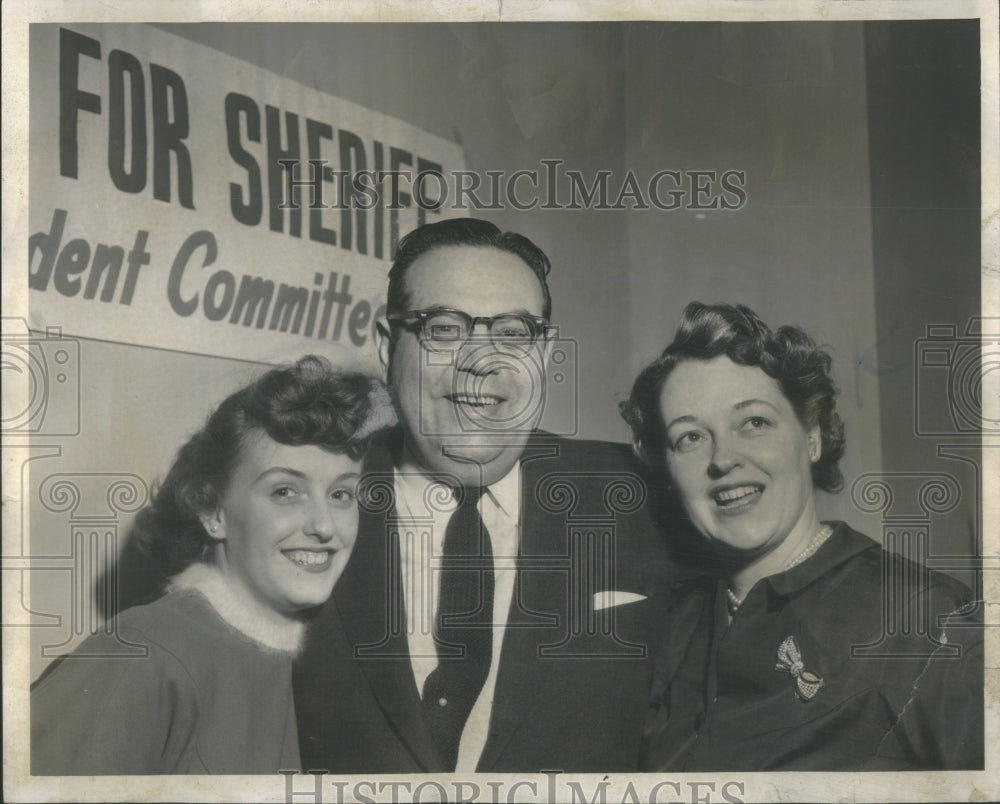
x=924, y=140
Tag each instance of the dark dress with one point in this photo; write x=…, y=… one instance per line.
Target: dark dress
x=874, y=677
x=206, y=699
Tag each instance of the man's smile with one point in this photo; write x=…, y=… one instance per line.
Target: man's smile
x=475, y=400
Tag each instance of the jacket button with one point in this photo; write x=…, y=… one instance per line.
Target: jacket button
x=442, y=701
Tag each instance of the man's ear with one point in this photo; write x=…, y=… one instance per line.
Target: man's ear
x=383, y=342
x=214, y=524
x=548, y=342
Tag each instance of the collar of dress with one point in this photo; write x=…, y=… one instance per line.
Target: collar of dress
x=239, y=610
x=419, y=495
x=843, y=544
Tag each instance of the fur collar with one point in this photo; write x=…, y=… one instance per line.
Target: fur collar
x=240, y=611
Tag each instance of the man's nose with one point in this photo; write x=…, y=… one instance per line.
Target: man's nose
x=474, y=356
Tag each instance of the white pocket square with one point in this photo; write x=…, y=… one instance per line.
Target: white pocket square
x=607, y=600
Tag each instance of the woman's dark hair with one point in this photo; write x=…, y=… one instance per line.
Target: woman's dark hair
x=789, y=356
x=308, y=403
x=462, y=232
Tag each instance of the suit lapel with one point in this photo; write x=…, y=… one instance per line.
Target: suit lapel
x=537, y=602
x=369, y=601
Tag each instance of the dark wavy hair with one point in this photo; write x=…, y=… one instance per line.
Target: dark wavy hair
x=789, y=356
x=462, y=232
x=308, y=403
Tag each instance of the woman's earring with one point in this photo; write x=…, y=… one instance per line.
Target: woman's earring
x=211, y=525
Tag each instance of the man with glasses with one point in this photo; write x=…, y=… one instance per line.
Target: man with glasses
x=495, y=613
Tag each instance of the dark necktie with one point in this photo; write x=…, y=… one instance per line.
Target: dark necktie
x=464, y=626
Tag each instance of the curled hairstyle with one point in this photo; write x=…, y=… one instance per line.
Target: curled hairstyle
x=308, y=403
x=789, y=356
x=462, y=232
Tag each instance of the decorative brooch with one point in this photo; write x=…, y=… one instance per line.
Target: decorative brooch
x=790, y=660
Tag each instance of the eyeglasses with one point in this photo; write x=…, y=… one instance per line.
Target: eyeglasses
x=443, y=330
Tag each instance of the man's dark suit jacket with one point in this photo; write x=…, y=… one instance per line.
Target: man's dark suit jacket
x=572, y=690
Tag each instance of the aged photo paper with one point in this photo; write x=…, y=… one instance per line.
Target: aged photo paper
x=832, y=165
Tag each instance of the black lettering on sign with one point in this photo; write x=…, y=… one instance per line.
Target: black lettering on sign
x=246, y=203
x=126, y=134
x=72, y=99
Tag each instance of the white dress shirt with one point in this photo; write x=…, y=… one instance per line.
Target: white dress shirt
x=424, y=508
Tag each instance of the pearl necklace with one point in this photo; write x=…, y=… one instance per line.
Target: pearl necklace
x=821, y=535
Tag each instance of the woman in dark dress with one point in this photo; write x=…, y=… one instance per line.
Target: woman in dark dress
x=808, y=647
x=254, y=524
